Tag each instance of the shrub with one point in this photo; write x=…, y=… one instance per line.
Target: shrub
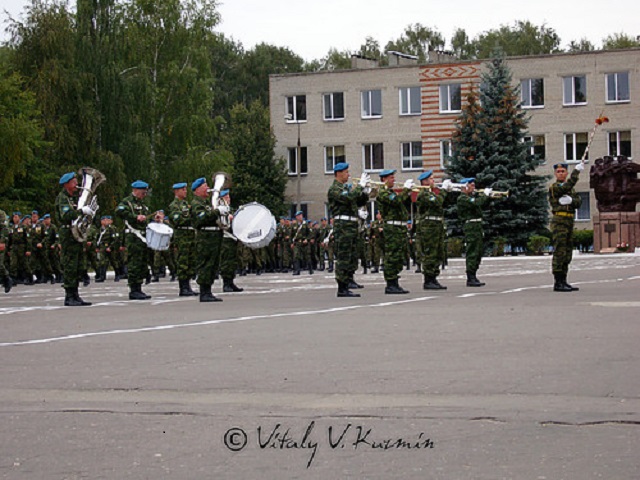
x=498, y=246
x=455, y=247
x=537, y=245
x=583, y=240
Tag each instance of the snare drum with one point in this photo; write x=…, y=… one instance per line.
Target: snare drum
x=158, y=236
x=254, y=225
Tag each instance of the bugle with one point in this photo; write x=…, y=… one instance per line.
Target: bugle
x=495, y=193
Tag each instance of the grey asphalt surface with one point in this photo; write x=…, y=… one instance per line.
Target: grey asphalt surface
x=508, y=381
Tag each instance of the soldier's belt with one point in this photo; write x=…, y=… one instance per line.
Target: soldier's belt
x=563, y=214
x=209, y=229
x=474, y=220
x=435, y=219
x=345, y=217
x=185, y=228
x=395, y=222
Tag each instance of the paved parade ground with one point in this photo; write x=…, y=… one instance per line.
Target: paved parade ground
x=284, y=380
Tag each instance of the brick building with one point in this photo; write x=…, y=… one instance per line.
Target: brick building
x=403, y=116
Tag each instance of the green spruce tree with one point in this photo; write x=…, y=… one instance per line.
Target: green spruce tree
x=489, y=144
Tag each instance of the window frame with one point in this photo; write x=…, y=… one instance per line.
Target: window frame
x=372, y=146
x=448, y=97
x=412, y=159
x=618, y=143
x=333, y=117
x=449, y=148
x=363, y=114
x=606, y=88
x=573, y=102
x=333, y=147
x=531, y=105
x=304, y=161
x=585, y=205
x=531, y=138
x=292, y=116
x=409, y=98
x=575, y=149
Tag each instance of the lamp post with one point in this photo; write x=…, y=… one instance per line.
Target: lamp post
x=289, y=117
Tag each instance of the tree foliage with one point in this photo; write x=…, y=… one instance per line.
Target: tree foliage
x=618, y=41
x=417, y=40
x=489, y=145
x=523, y=38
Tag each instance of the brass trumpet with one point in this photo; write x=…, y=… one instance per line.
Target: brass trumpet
x=371, y=183
x=495, y=193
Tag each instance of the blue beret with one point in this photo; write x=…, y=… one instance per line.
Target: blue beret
x=35, y=212
x=425, y=175
x=299, y=212
x=338, y=167
x=105, y=217
x=198, y=182
x=66, y=177
x=468, y=180
x=179, y=185
x=17, y=213
x=25, y=217
x=224, y=192
x=563, y=165
x=139, y=184
x=323, y=219
x=46, y=215
x=386, y=173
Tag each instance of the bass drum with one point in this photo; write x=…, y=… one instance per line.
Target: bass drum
x=158, y=236
x=254, y=225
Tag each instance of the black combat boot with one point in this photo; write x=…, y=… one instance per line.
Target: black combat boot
x=86, y=280
x=430, y=283
x=296, y=268
x=99, y=275
x=136, y=293
x=343, y=291
x=7, y=283
x=28, y=280
x=564, y=280
x=559, y=284
x=394, y=288
x=117, y=271
x=206, y=295
x=173, y=277
x=38, y=278
x=419, y=269
x=352, y=284
x=76, y=296
x=230, y=287
x=472, y=281
x=70, y=298
x=375, y=269
x=185, y=289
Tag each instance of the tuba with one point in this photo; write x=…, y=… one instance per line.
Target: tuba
x=91, y=178
x=220, y=182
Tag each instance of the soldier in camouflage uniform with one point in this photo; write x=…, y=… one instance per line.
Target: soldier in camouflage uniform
x=72, y=250
x=135, y=213
x=39, y=257
x=208, y=237
x=163, y=258
x=5, y=278
x=52, y=241
x=344, y=201
x=21, y=251
x=106, y=248
x=363, y=239
x=228, y=252
x=469, y=205
x=288, y=232
x=323, y=233
x=564, y=202
x=394, y=211
x=184, y=239
x=91, y=251
x=430, y=229
x=300, y=244
x=377, y=243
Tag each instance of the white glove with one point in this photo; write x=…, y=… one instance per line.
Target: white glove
x=565, y=200
x=365, y=179
x=223, y=209
x=488, y=191
x=580, y=166
x=447, y=185
x=87, y=210
x=409, y=183
x=363, y=214
x=367, y=190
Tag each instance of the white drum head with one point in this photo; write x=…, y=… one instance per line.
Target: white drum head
x=254, y=225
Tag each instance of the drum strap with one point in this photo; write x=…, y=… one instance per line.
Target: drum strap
x=228, y=234
x=136, y=232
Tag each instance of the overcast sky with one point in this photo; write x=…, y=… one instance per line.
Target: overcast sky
x=311, y=28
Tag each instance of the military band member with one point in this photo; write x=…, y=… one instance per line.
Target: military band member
x=430, y=229
x=136, y=214
x=469, y=205
x=21, y=247
x=300, y=245
x=208, y=237
x=377, y=243
x=5, y=278
x=228, y=252
x=564, y=202
x=184, y=239
x=323, y=234
x=53, y=247
x=72, y=250
x=344, y=201
x=394, y=211
x=106, y=248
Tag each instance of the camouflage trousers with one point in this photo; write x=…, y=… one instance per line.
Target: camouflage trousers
x=474, y=246
x=228, y=258
x=185, y=243
x=430, y=243
x=208, y=246
x=346, y=249
x=72, y=259
x=562, y=240
x=138, y=260
x=395, y=250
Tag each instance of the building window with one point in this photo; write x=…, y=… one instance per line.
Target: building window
x=292, y=161
x=411, y=153
x=333, y=155
x=296, y=109
x=410, y=101
x=372, y=104
x=293, y=209
x=574, y=90
x=538, y=147
x=617, y=87
x=584, y=212
x=333, y=106
x=532, y=91
x=450, y=98
x=620, y=143
x=446, y=152
x=373, y=156
x=574, y=146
